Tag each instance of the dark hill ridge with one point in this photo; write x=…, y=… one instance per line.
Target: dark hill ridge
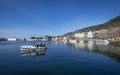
x=113, y=23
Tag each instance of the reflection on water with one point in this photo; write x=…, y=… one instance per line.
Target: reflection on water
x=91, y=45
x=32, y=52
x=109, y=50
x=81, y=45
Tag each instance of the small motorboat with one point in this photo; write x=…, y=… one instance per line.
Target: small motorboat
x=33, y=47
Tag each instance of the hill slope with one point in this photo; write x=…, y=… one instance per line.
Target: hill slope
x=115, y=22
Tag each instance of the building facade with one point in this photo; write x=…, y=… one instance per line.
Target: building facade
x=103, y=34
x=80, y=35
x=117, y=33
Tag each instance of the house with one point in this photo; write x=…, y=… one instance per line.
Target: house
x=76, y=35
x=53, y=38
x=70, y=36
x=90, y=34
x=79, y=35
x=64, y=38
x=59, y=37
x=95, y=34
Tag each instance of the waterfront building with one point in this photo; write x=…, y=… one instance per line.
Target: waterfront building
x=45, y=38
x=111, y=33
x=117, y=33
x=54, y=38
x=95, y=34
x=103, y=34
x=90, y=34
x=79, y=35
x=64, y=38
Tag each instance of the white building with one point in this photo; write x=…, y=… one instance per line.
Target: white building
x=79, y=35
x=90, y=34
x=64, y=38
x=76, y=35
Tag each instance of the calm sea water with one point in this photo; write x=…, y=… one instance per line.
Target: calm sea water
x=60, y=58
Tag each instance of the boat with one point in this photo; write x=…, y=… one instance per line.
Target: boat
x=33, y=47
x=30, y=39
x=12, y=39
x=102, y=42
x=44, y=39
x=72, y=41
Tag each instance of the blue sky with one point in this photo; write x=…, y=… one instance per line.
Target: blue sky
x=26, y=18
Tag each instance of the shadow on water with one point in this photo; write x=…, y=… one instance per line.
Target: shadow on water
x=106, y=49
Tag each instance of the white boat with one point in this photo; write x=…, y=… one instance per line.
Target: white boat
x=12, y=39
x=44, y=39
x=72, y=41
x=33, y=47
x=102, y=42
x=30, y=39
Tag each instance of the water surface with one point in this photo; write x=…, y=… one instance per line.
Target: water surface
x=60, y=58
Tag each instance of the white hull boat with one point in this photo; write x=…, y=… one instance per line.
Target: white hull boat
x=102, y=42
x=72, y=41
x=30, y=39
x=12, y=39
x=33, y=47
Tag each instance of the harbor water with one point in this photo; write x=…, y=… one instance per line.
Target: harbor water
x=60, y=58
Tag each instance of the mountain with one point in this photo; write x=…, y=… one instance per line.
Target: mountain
x=113, y=23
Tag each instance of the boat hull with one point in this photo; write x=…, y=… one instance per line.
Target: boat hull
x=31, y=48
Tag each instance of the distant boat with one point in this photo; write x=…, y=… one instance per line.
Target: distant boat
x=44, y=39
x=12, y=39
x=30, y=39
x=102, y=42
x=33, y=47
x=72, y=41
